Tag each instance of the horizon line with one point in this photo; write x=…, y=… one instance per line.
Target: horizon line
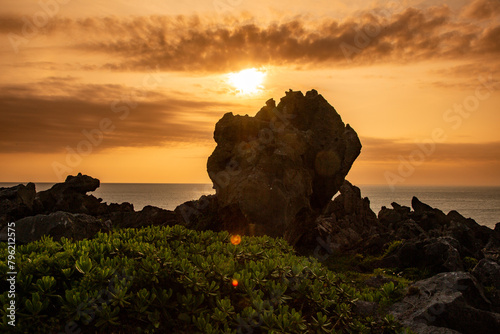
x=202, y=183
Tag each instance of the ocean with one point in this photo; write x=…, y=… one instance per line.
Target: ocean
x=479, y=203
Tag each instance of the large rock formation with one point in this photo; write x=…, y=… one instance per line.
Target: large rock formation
x=272, y=172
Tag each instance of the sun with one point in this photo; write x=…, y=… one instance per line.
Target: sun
x=248, y=81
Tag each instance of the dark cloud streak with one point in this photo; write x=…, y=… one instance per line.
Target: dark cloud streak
x=390, y=150
x=43, y=124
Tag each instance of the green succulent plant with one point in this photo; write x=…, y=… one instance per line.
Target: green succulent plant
x=171, y=279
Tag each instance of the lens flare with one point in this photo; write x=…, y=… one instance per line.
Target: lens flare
x=235, y=239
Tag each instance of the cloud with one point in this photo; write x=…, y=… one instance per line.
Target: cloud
x=412, y=35
x=31, y=122
x=482, y=9
x=196, y=43
x=391, y=150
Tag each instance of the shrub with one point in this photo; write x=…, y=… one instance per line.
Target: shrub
x=175, y=280
x=470, y=263
x=392, y=247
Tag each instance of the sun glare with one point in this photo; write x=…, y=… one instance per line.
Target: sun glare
x=247, y=81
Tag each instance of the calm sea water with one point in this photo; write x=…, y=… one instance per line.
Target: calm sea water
x=480, y=203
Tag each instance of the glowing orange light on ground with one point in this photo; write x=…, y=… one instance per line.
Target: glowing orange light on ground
x=235, y=239
x=235, y=283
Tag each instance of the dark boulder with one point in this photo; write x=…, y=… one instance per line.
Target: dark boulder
x=273, y=173
x=420, y=207
x=452, y=302
x=434, y=240
x=488, y=273
x=346, y=222
x=390, y=216
x=71, y=196
x=57, y=225
x=201, y=214
x=149, y=215
x=427, y=217
x=398, y=221
x=434, y=254
x=16, y=202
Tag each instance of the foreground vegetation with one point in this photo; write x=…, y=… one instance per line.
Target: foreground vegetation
x=175, y=280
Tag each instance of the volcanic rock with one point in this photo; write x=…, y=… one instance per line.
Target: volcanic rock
x=435, y=241
x=71, y=196
x=149, y=215
x=274, y=172
x=435, y=254
x=452, y=302
x=16, y=202
x=57, y=225
x=347, y=221
x=488, y=273
x=201, y=214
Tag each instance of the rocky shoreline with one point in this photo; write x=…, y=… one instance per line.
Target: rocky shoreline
x=428, y=239
x=275, y=174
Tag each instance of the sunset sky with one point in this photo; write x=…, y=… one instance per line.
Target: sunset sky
x=130, y=91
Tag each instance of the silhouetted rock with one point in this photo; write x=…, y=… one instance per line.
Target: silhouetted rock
x=427, y=217
x=435, y=254
x=71, y=196
x=497, y=227
x=390, y=216
x=272, y=172
x=58, y=224
x=122, y=207
x=149, y=215
x=473, y=238
x=451, y=302
x=66, y=210
x=201, y=214
x=434, y=240
x=420, y=207
x=346, y=222
x=16, y=202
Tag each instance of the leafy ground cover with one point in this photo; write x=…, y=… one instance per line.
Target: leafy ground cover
x=175, y=280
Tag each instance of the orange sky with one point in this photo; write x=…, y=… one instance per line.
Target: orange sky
x=131, y=91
